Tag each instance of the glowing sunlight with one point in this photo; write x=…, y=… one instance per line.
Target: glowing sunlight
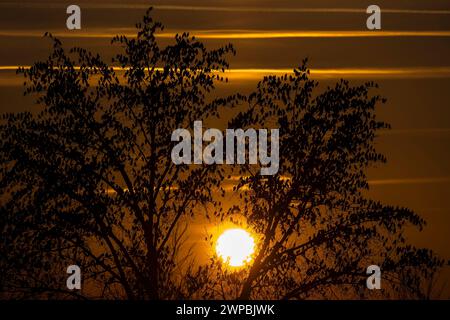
x=235, y=247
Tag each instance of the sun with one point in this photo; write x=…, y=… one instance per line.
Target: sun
x=235, y=247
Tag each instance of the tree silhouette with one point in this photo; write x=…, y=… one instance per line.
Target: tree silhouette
x=90, y=175
x=88, y=179
x=319, y=231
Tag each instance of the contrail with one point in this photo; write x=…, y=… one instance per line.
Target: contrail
x=234, y=34
x=323, y=73
x=425, y=72
x=409, y=181
x=401, y=181
x=232, y=9
x=423, y=131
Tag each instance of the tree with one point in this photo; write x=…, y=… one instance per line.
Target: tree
x=88, y=178
x=318, y=231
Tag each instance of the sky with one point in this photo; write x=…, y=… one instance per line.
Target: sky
x=409, y=58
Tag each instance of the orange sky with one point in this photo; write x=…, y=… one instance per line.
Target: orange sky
x=409, y=58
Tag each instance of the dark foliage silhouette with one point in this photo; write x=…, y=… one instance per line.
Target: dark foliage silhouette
x=319, y=231
x=88, y=179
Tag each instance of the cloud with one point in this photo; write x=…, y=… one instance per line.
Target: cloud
x=250, y=74
x=354, y=73
x=409, y=181
x=422, y=131
x=234, y=9
x=232, y=34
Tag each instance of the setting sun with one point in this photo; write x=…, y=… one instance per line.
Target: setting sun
x=235, y=247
